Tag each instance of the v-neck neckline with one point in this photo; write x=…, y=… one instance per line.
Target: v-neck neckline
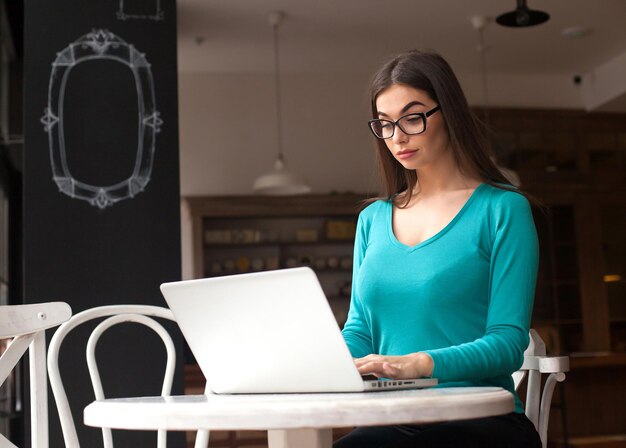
x=437, y=235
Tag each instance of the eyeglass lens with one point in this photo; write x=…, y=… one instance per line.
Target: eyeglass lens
x=409, y=124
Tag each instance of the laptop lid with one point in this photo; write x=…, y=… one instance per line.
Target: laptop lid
x=263, y=332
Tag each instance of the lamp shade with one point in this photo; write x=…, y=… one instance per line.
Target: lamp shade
x=522, y=16
x=280, y=182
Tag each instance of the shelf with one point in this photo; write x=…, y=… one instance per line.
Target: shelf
x=556, y=323
x=564, y=243
x=278, y=244
x=562, y=282
x=317, y=271
x=601, y=441
x=238, y=235
x=596, y=359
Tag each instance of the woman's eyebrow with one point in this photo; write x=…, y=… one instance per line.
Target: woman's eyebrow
x=411, y=104
x=404, y=109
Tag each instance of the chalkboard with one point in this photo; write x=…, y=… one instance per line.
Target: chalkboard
x=101, y=182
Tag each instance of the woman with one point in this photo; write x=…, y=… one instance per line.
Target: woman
x=445, y=263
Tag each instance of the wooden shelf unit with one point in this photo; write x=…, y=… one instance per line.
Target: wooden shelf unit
x=240, y=234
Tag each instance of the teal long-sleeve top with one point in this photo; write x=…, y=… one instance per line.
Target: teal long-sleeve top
x=463, y=296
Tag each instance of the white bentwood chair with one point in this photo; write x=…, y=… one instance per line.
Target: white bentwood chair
x=113, y=315
x=535, y=364
x=26, y=325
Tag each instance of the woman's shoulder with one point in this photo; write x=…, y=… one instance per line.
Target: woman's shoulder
x=504, y=196
x=505, y=207
x=374, y=209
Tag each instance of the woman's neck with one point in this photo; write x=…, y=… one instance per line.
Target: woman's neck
x=430, y=187
x=437, y=179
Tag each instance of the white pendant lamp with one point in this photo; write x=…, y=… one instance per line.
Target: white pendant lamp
x=279, y=181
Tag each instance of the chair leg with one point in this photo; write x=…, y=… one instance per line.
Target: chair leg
x=202, y=439
x=533, y=399
x=38, y=392
x=5, y=443
x=546, y=401
x=563, y=408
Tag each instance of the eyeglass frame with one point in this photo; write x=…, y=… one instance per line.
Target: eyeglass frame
x=423, y=115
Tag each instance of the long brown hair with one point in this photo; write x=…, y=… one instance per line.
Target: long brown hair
x=428, y=71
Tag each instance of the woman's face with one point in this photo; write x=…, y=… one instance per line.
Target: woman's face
x=413, y=151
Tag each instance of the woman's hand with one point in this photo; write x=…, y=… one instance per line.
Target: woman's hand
x=414, y=365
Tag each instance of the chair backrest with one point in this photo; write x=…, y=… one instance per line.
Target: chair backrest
x=112, y=315
x=535, y=364
x=26, y=325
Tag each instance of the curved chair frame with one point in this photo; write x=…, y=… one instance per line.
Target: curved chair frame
x=26, y=324
x=114, y=314
x=535, y=364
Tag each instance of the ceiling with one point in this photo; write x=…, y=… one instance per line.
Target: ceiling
x=226, y=36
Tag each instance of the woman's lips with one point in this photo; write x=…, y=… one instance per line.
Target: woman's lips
x=406, y=153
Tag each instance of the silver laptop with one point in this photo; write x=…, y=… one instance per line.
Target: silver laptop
x=268, y=332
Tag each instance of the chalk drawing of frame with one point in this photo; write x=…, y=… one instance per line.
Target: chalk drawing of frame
x=101, y=44
x=158, y=13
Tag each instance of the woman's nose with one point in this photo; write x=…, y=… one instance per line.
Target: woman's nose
x=399, y=136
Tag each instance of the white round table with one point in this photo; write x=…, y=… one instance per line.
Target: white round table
x=303, y=420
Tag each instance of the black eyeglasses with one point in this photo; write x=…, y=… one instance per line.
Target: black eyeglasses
x=410, y=124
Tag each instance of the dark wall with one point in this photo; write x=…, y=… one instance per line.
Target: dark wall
x=101, y=181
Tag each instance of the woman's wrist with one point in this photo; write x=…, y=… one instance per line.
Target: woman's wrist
x=424, y=364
